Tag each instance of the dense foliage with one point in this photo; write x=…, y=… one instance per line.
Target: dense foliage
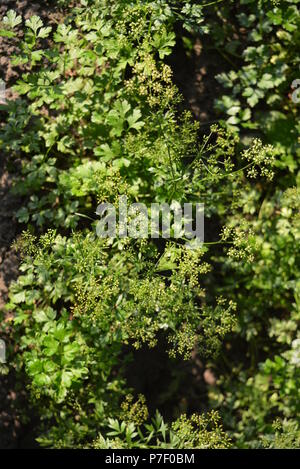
x=98, y=117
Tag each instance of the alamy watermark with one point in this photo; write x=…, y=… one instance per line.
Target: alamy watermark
x=160, y=220
x=2, y=351
x=296, y=92
x=2, y=92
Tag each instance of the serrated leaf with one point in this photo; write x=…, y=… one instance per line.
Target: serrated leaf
x=133, y=120
x=4, y=33
x=44, y=32
x=34, y=23
x=11, y=19
x=23, y=215
x=19, y=297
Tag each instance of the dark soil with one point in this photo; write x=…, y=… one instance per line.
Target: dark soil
x=194, y=74
x=9, y=422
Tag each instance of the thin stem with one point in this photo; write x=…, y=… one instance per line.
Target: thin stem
x=212, y=3
x=218, y=242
